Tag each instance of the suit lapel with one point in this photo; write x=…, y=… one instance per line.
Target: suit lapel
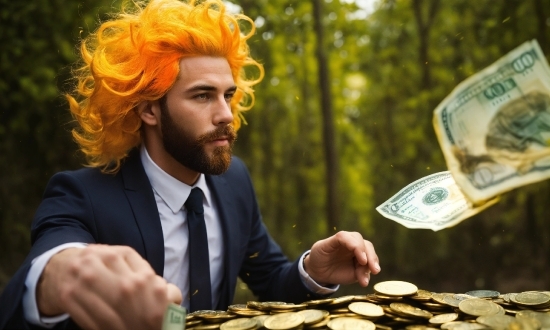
x=140, y=195
x=222, y=192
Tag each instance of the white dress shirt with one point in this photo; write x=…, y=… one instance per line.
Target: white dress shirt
x=170, y=196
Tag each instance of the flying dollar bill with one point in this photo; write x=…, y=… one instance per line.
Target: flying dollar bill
x=434, y=202
x=494, y=128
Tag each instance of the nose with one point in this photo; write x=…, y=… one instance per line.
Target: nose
x=223, y=115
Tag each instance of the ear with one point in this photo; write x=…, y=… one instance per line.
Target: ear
x=149, y=112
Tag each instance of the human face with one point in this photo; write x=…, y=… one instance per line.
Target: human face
x=196, y=115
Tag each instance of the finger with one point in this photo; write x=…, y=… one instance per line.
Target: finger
x=135, y=260
x=355, y=243
x=90, y=312
x=351, y=241
x=115, y=260
x=174, y=294
x=362, y=274
x=372, y=257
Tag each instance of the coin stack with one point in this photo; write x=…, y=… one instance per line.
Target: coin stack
x=393, y=305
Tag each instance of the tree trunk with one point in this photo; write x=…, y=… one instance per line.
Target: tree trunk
x=541, y=25
x=424, y=24
x=331, y=158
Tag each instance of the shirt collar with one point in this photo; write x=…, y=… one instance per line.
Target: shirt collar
x=172, y=191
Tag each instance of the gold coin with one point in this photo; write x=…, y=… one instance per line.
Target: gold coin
x=382, y=327
x=284, y=321
x=460, y=325
x=191, y=323
x=216, y=316
x=349, y=323
x=409, y=310
x=484, y=293
x=405, y=320
x=440, y=298
x=340, y=301
x=531, y=299
x=239, y=324
x=422, y=295
x=385, y=299
x=435, y=306
x=287, y=306
x=237, y=307
x=339, y=310
x=248, y=312
x=543, y=318
x=312, y=316
x=496, y=321
x=525, y=324
x=366, y=309
x=478, y=307
x=443, y=318
x=454, y=299
x=350, y=314
x=319, y=325
x=263, y=306
x=395, y=288
x=319, y=302
x=361, y=298
x=207, y=326
x=260, y=320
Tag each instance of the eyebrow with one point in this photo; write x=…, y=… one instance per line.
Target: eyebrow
x=208, y=88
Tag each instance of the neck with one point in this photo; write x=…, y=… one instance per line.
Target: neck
x=171, y=166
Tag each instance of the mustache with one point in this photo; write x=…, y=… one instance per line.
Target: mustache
x=227, y=131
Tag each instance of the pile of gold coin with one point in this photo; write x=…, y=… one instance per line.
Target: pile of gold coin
x=393, y=305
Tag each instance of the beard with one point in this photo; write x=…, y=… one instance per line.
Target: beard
x=189, y=151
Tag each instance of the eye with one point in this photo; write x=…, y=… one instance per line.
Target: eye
x=229, y=96
x=201, y=97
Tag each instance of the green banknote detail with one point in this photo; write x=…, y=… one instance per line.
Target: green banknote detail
x=174, y=318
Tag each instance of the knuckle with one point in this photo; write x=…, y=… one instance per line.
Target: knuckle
x=340, y=234
x=88, y=275
x=125, y=250
x=159, y=289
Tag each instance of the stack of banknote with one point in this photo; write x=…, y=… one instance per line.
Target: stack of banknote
x=494, y=131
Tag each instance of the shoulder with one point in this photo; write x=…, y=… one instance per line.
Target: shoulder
x=131, y=169
x=85, y=176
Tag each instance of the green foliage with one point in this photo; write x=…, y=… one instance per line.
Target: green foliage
x=383, y=117
x=38, y=47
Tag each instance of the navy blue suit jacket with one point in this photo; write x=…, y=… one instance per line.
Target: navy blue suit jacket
x=89, y=206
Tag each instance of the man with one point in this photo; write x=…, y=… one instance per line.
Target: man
x=161, y=91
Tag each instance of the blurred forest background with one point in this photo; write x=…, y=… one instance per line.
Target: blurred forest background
x=342, y=121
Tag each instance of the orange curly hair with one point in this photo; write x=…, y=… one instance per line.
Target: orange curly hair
x=135, y=58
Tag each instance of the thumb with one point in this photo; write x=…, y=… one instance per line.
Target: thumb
x=174, y=294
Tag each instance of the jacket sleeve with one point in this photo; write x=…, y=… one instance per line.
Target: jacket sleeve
x=62, y=217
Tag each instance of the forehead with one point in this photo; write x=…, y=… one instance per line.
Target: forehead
x=214, y=71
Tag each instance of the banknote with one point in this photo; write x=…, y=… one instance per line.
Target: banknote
x=433, y=202
x=174, y=318
x=494, y=127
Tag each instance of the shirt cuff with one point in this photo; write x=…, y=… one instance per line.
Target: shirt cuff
x=30, y=305
x=310, y=284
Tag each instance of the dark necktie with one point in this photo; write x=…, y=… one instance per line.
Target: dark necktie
x=199, y=261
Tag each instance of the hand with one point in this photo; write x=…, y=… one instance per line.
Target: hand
x=343, y=258
x=105, y=287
